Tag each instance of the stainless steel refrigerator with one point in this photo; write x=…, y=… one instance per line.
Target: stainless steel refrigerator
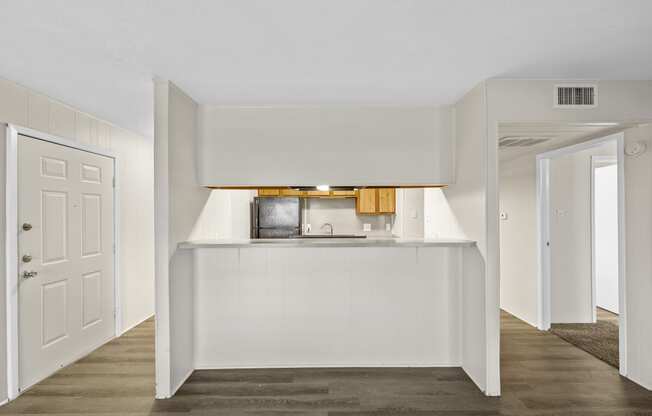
x=276, y=217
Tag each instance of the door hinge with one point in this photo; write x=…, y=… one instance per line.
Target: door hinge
x=113, y=181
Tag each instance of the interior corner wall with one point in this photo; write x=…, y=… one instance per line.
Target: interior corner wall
x=638, y=258
x=518, y=235
x=466, y=198
x=24, y=107
x=180, y=201
x=3, y=268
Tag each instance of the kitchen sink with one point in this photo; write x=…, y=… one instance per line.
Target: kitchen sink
x=332, y=236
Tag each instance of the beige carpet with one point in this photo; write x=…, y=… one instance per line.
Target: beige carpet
x=599, y=339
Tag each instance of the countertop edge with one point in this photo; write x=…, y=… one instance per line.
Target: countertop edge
x=326, y=243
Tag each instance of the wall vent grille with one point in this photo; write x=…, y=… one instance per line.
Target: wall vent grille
x=576, y=96
x=514, y=141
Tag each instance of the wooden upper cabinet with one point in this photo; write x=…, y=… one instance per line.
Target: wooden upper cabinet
x=269, y=192
x=376, y=201
x=290, y=192
x=343, y=194
x=316, y=193
x=386, y=200
x=305, y=194
x=366, y=201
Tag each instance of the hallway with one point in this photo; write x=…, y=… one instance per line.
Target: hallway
x=542, y=375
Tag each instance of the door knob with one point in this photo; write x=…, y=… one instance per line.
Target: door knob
x=29, y=275
x=27, y=258
x=27, y=226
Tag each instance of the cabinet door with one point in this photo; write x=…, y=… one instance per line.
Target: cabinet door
x=290, y=192
x=343, y=194
x=386, y=200
x=317, y=194
x=269, y=192
x=366, y=201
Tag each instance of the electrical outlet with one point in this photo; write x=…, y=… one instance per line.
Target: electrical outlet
x=366, y=227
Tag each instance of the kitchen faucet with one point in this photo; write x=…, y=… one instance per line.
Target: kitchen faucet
x=328, y=224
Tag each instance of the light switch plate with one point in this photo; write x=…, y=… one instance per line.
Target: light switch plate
x=366, y=227
x=388, y=227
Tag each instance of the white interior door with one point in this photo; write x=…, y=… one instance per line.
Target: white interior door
x=65, y=248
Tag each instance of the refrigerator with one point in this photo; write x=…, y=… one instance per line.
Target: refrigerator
x=276, y=217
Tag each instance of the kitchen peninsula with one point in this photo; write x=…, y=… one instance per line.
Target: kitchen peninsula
x=396, y=297
x=271, y=303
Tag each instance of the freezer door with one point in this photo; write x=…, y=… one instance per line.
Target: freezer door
x=278, y=232
x=278, y=213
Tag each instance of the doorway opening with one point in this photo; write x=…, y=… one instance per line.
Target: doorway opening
x=561, y=222
x=579, y=237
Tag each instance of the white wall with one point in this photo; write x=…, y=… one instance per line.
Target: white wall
x=335, y=145
x=638, y=256
x=4, y=388
x=226, y=214
x=23, y=107
x=327, y=306
x=410, y=213
x=605, y=212
x=439, y=220
x=467, y=199
x=342, y=215
x=179, y=204
x=570, y=235
x=518, y=239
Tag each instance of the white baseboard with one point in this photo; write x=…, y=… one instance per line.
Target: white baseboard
x=289, y=366
x=181, y=382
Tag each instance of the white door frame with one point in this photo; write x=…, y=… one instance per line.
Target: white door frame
x=543, y=228
x=11, y=240
x=596, y=162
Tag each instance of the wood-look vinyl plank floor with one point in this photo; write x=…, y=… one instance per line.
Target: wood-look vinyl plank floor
x=541, y=375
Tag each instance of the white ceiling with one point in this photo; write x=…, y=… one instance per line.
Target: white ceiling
x=101, y=55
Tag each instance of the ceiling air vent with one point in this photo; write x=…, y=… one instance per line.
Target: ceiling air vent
x=521, y=141
x=576, y=96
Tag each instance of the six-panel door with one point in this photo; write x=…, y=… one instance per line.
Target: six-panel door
x=66, y=256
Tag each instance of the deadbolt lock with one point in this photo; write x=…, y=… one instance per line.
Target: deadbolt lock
x=27, y=258
x=29, y=275
x=27, y=226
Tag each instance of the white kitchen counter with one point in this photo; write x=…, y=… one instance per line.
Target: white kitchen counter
x=327, y=303
x=326, y=242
